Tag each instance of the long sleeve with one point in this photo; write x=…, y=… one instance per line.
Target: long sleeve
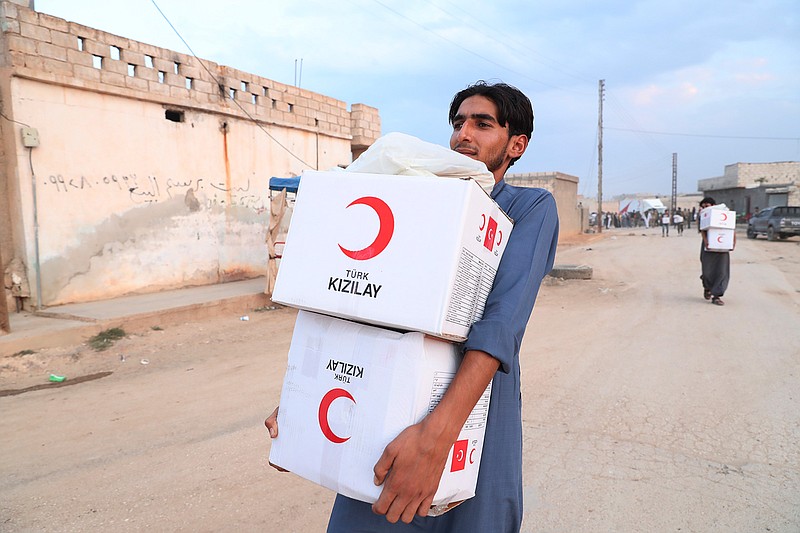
x=528, y=258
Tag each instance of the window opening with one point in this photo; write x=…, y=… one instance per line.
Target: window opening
x=115, y=53
x=80, y=44
x=174, y=115
x=161, y=76
x=189, y=83
x=131, y=70
x=148, y=61
x=97, y=61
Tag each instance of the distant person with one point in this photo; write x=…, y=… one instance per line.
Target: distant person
x=678, y=221
x=665, y=224
x=715, y=266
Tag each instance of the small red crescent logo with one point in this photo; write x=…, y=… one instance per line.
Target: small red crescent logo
x=483, y=222
x=471, y=460
x=724, y=216
x=324, y=405
x=499, y=237
x=385, y=229
x=719, y=239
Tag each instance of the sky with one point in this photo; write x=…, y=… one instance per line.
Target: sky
x=716, y=83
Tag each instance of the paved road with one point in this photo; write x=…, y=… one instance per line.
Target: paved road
x=645, y=409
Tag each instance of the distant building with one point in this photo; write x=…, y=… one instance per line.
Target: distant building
x=573, y=218
x=747, y=186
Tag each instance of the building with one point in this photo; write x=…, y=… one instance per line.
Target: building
x=573, y=218
x=745, y=187
x=128, y=168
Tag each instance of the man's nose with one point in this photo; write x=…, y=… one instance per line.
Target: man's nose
x=464, y=132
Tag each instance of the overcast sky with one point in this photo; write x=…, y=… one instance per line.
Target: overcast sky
x=715, y=82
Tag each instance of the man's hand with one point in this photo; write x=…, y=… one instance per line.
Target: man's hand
x=409, y=470
x=272, y=425
x=412, y=464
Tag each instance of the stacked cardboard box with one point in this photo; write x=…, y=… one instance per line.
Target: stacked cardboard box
x=366, y=253
x=408, y=252
x=350, y=388
x=720, y=224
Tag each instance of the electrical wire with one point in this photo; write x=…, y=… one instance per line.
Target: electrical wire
x=12, y=120
x=257, y=123
x=520, y=47
x=710, y=136
x=472, y=52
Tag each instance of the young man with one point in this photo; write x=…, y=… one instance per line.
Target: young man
x=715, y=266
x=492, y=124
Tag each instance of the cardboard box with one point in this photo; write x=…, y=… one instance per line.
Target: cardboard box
x=415, y=253
x=350, y=389
x=719, y=240
x=714, y=217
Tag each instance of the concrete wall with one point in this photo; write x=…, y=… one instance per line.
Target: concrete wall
x=153, y=166
x=564, y=189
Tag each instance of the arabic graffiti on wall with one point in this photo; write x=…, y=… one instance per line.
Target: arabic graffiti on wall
x=152, y=189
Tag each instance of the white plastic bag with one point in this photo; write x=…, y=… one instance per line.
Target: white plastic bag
x=403, y=155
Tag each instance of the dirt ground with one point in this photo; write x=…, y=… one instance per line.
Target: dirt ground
x=645, y=409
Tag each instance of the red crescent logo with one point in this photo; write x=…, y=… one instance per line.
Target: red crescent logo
x=324, y=405
x=483, y=222
x=724, y=216
x=385, y=230
x=471, y=460
x=719, y=239
x=499, y=237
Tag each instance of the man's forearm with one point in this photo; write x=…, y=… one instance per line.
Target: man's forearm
x=476, y=371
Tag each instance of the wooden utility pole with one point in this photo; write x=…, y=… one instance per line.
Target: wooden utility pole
x=600, y=160
x=674, y=199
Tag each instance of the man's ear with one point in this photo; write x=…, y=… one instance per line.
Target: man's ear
x=517, y=146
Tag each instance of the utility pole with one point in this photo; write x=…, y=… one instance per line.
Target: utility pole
x=600, y=160
x=674, y=202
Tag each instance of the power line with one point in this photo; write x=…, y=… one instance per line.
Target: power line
x=677, y=134
x=476, y=54
x=652, y=143
x=482, y=25
x=257, y=123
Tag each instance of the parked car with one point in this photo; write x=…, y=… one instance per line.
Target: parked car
x=775, y=222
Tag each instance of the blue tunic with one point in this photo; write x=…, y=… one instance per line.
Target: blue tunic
x=497, y=505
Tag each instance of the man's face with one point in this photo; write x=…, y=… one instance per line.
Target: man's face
x=477, y=134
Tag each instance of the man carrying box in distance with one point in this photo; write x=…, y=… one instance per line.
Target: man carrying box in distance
x=716, y=266
x=492, y=124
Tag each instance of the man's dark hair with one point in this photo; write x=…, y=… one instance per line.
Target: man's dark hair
x=708, y=200
x=514, y=109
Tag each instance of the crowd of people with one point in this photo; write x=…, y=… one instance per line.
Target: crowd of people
x=652, y=218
